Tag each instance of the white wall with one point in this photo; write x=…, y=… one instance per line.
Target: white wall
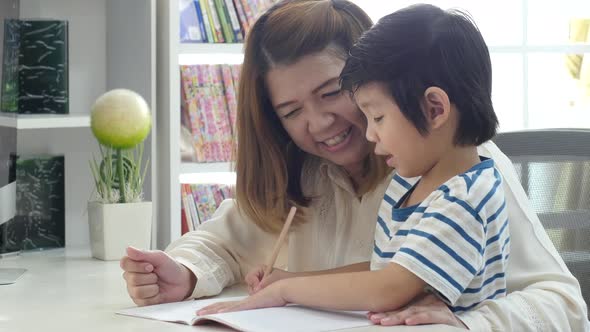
x=131, y=64
x=109, y=47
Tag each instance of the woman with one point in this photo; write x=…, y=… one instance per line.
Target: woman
x=301, y=142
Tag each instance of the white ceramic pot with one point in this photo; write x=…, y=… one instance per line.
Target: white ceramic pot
x=114, y=227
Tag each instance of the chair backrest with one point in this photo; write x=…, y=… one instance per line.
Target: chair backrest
x=554, y=168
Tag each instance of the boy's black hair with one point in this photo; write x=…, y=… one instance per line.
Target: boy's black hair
x=423, y=46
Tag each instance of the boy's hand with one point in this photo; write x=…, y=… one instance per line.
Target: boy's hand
x=256, y=280
x=265, y=298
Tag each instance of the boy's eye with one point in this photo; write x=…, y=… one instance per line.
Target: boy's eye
x=292, y=113
x=331, y=94
x=378, y=119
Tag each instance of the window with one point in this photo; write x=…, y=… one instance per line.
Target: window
x=540, y=53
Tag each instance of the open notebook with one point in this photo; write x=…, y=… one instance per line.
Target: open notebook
x=291, y=318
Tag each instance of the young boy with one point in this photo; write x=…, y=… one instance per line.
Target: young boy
x=422, y=77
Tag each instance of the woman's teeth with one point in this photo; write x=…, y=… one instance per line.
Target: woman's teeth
x=337, y=139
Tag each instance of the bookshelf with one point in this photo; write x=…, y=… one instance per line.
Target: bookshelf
x=209, y=48
x=172, y=172
x=196, y=168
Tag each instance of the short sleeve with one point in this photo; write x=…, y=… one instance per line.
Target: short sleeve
x=445, y=248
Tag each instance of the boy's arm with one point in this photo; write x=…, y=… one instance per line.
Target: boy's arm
x=358, y=267
x=382, y=290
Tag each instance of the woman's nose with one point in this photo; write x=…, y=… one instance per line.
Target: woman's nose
x=320, y=120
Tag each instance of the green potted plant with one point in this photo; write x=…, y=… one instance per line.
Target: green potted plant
x=118, y=217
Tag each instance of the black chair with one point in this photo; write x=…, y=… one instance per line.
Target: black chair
x=553, y=166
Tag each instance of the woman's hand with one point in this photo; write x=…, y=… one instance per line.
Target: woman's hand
x=153, y=277
x=427, y=309
x=256, y=280
x=268, y=297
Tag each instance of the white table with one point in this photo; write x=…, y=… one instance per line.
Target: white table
x=66, y=290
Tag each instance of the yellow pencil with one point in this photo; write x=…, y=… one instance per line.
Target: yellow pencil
x=279, y=243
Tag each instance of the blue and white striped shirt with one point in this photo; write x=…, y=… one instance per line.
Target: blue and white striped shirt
x=456, y=240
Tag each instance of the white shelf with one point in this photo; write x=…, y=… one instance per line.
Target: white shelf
x=210, y=48
x=196, y=173
x=44, y=121
x=191, y=168
x=194, y=54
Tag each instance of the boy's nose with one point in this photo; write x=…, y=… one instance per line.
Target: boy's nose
x=370, y=135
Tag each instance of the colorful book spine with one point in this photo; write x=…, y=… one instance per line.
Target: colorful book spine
x=230, y=96
x=248, y=11
x=205, y=20
x=235, y=73
x=209, y=109
x=192, y=207
x=235, y=23
x=242, y=17
x=192, y=98
x=211, y=132
x=204, y=37
x=221, y=115
x=183, y=221
x=228, y=33
x=216, y=23
x=187, y=209
x=255, y=8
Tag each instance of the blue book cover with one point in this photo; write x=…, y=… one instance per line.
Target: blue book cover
x=201, y=20
x=190, y=30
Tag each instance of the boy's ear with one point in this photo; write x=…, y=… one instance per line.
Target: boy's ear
x=437, y=107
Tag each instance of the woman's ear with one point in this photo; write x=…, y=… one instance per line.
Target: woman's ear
x=437, y=107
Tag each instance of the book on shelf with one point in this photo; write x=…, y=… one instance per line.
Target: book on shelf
x=234, y=21
x=242, y=18
x=208, y=110
x=230, y=96
x=204, y=19
x=192, y=29
x=219, y=21
x=200, y=201
x=40, y=205
x=216, y=26
x=35, y=67
x=222, y=11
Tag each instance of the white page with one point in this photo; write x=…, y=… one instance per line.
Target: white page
x=181, y=312
x=286, y=319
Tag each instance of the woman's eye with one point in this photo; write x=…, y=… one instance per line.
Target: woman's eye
x=378, y=119
x=332, y=94
x=292, y=113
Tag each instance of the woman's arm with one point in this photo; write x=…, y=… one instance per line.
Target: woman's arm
x=542, y=293
x=223, y=250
